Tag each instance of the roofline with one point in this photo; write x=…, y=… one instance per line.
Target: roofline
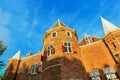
x=91, y=43
x=54, y=29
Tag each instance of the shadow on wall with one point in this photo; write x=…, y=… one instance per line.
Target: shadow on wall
x=55, y=69
x=9, y=75
x=23, y=74
x=66, y=67
x=109, y=71
x=72, y=68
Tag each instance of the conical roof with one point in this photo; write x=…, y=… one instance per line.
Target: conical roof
x=58, y=24
x=17, y=55
x=107, y=26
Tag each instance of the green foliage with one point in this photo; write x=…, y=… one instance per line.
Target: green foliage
x=3, y=78
x=2, y=48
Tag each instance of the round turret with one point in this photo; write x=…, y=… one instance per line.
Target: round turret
x=60, y=39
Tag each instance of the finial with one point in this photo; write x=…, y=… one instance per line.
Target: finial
x=59, y=22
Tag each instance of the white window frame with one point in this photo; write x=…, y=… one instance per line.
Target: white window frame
x=88, y=39
x=69, y=33
x=110, y=73
x=49, y=50
x=68, y=51
x=53, y=33
x=34, y=68
x=95, y=75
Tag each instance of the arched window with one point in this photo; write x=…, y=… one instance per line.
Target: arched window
x=67, y=47
x=54, y=34
x=68, y=34
x=51, y=50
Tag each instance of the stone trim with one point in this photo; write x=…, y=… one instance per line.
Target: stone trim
x=50, y=67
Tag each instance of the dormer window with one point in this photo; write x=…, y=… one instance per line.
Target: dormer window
x=68, y=34
x=54, y=34
x=88, y=40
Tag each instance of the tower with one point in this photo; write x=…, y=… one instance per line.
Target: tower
x=62, y=51
x=112, y=39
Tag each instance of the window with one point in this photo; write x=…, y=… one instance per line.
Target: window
x=110, y=73
x=67, y=47
x=68, y=34
x=95, y=75
x=51, y=50
x=88, y=40
x=96, y=78
x=34, y=68
x=114, y=45
x=54, y=34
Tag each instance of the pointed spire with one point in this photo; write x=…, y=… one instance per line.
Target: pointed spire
x=58, y=24
x=107, y=26
x=17, y=55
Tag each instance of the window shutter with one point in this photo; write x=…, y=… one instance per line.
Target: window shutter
x=63, y=48
x=53, y=50
x=29, y=71
x=84, y=41
x=42, y=57
x=45, y=53
x=40, y=68
x=93, y=39
x=74, y=49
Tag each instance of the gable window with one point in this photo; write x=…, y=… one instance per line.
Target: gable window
x=88, y=40
x=54, y=34
x=110, y=73
x=34, y=68
x=68, y=34
x=67, y=47
x=51, y=50
x=95, y=75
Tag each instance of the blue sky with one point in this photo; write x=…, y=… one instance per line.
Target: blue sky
x=24, y=22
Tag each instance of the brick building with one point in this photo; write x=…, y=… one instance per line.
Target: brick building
x=64, y=58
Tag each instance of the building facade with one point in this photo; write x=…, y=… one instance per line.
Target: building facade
x=64, y=58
